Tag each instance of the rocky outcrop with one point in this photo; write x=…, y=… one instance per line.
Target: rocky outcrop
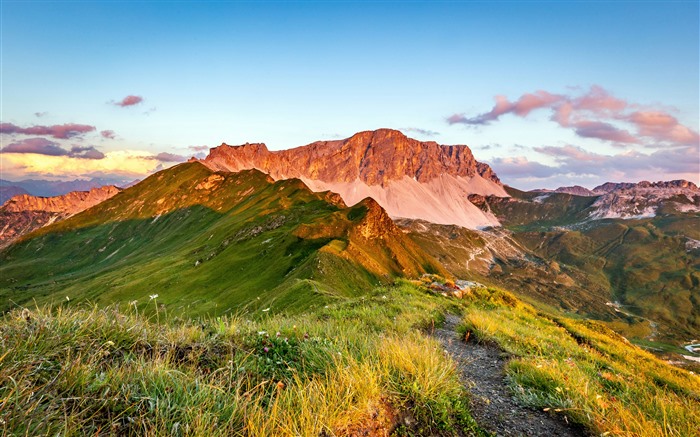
x=408, y=178
x=645, y=199
x=681, y=184
x=374, y=157
x=24, y=213
x=71, y=203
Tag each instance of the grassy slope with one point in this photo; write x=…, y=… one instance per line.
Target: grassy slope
x=358, y=365
x=585, y=371
x=643, y=264
x=364, y=364
x=210, y=243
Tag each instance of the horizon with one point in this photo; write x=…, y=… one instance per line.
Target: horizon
x=528, y=87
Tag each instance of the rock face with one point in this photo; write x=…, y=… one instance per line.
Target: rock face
x=408, y=178
x=645, y=199
x=71, y=203
x=609, y=187
x=24, y=213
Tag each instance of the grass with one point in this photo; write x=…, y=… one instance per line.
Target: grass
x=361, y=365
x=279, y=244
x=585, y=371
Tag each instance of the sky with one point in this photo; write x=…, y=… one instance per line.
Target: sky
x=549, y=93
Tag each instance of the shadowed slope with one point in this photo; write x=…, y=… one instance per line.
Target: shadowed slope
x=210, y=242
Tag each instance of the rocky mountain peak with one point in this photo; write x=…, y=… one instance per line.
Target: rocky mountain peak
x=407, y=177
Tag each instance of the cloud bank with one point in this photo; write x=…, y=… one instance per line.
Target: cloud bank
x=42, y=146
x=593, y=114
x=58, y=131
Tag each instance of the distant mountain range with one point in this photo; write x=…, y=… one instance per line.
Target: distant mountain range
x=47, y=188
x=247, y=227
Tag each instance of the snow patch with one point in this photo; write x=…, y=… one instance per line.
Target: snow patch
x=691, y=244
x=541, y=198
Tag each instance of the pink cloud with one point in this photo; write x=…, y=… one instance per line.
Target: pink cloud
x=593, y=114
x=167, y=157
x=129, y=100
x=603, y=131
x=109, y=134
x=60, y=131
x=42, y=146
x=599, y=100
x=662, y=127
x=540, y=99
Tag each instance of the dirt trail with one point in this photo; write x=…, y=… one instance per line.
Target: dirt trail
x=492, y=403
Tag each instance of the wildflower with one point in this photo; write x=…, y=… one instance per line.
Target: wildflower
x=306, y=335
x=67, y=299
x=266, y=310
x=109, y=343
x=278, y=334
x=262, y=332
x=153, y=296
x=266, y=349
x=133, y=302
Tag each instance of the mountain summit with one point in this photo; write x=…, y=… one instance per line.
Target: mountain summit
x=407, y=177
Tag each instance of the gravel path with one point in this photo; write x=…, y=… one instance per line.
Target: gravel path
x=492, y=404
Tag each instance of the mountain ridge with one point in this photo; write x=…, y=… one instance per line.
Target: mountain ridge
x=407, y=177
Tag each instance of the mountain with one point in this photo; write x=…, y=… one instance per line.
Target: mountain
x=46, y=188
x=9, y=191
x=24, y=213
x=408, y=178
x=576, y=190
x=213, y=242
x=645, y=199
x=617, y=186
x=634, y=249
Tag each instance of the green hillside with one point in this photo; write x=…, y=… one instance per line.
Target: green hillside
x=211, y=243
x=360, y=366
x=640, y=275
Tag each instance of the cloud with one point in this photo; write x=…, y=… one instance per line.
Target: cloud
x=129, y=100
x=59, y=131
x=41, y=114
x=566, y=153
x=519, y=166
x=88, y=152
x=42, y=146
x=109, y=134
x=662, y=127
x=574, y=165
x=124, y=164
x=166, y=157
x=199, y=148
x=603, y=131
x=425, y=132
x=593, y=114
x=522, y=107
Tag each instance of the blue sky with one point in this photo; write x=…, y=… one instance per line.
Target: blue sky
x=289, y=73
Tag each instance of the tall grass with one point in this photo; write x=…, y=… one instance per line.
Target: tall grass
x=587, y=372
x=359, y=366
